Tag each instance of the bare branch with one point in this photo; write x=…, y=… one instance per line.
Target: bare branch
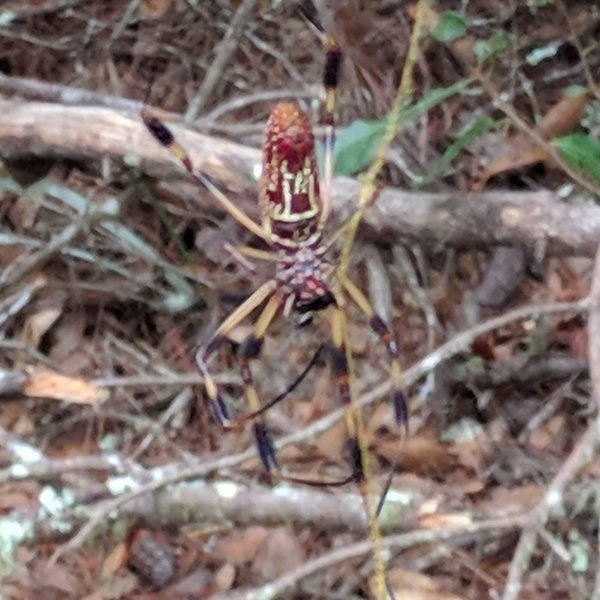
x=536, y=219
x=461, y=535
x=222, y=55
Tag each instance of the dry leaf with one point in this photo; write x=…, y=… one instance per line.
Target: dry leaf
x=545, y=436
x=522, y=151
x=331, y=443
x=410, y=585
x=401, y=578
x=420, y=454
x=241, y=547
x=461, y=520
x=39, y=323
x=45, y=383
x=513, y=500
x=523, y=154
x=115, y=560
x=58, y=577
x=564, y=116
x=225, y=577
x=17, y=495
x=280, y=554
x=153, y=9
x=430, y=506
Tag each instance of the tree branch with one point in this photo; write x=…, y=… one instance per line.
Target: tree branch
x=536, y=219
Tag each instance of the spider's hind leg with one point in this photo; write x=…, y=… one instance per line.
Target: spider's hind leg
x=388, y=339
x=249, y=351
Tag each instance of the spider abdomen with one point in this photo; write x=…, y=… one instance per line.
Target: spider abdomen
x=289, y=199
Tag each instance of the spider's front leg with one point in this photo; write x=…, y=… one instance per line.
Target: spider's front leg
x=249, y=350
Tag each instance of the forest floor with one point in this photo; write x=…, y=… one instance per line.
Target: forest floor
x=115, y=482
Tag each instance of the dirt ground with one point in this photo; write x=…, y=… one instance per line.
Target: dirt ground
x=115, y=480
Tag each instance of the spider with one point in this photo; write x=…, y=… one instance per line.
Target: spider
x=294, y=208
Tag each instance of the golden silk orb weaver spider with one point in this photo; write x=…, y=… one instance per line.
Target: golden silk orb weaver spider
x=294, y=208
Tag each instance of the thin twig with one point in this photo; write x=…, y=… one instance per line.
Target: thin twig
x=423, y=367
x=579, y=457
x=12, y=304
x=22, y=266
x=30, y=12
x=592, y=85
x=276, y=589
x=223, y=53
x=551, y=501
x=534, y=135
x=69, y=95
x=254, y=98
x=124, y=22
x=28, y=462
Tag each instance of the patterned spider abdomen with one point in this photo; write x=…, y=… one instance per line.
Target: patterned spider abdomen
x=289, y=198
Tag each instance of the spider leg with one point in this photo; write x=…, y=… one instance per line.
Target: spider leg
x=357, y=442
x=379, y=326
x=250, y=350
x=164, y=136
x=256, y=253
x=331, y=75
x=288, y=390
x=206, y=350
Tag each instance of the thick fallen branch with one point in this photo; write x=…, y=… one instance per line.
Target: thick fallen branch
x=458, y=536
x=537, y=219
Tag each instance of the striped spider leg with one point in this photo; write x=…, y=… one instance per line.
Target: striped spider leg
x=294, y=210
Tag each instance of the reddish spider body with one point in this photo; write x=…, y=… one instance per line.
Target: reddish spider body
x=294, y=207
x=291, y=209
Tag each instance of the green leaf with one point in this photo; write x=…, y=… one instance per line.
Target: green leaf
x=450, y=27
x=582, y=152
x=486, y=50
x=471, y=132
x=357, y=144
x=432, y=98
